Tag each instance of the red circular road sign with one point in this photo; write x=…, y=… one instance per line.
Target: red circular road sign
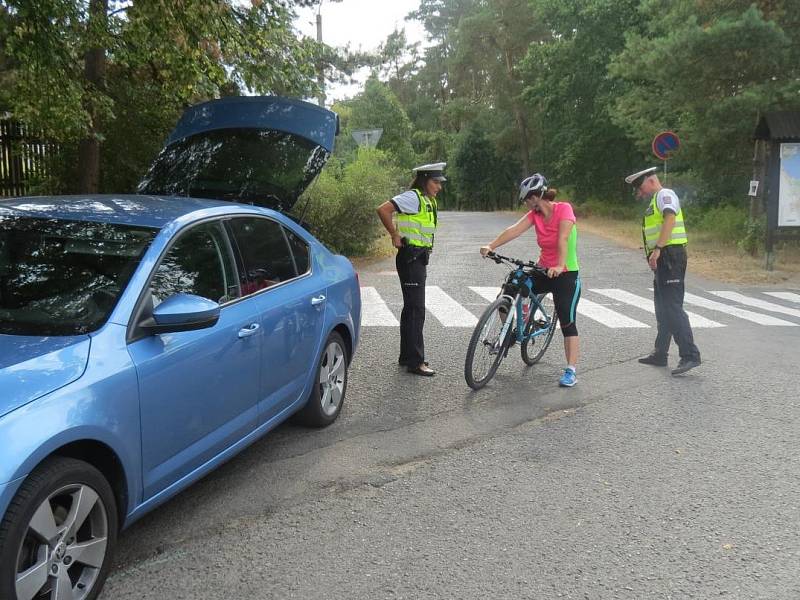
x=665, y=143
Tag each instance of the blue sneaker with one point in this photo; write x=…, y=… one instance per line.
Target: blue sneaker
x=568, y=379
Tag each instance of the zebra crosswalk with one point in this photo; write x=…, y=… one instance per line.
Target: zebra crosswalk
x=747, y=315
x=758, y=303
x=605, y=306
x=647, y=304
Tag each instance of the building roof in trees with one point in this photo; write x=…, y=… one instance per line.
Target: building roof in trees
x=778, y=126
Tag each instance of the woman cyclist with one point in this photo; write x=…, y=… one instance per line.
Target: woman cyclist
x=557, y=237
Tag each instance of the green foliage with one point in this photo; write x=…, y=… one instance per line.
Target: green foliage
x=342, y=202
x=155, y=58
x=570, y=94
x=755, y=231
x=706, y=70
x=581, y=87
x=726, y=222
x=378, y=107
x=596, y=207
x=481, y=178
x=575, y=89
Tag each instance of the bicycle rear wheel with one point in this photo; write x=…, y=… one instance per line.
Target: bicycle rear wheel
x=486, y=348
x=533, y=348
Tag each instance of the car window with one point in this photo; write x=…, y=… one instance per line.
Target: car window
x=198, y=263
x=264, y=251
x=64, y=277
x=300, y=251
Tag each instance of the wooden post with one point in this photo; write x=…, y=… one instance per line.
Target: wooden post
x=773, y=177
x=759, y=174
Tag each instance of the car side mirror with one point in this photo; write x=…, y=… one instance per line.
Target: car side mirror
x=182, y=312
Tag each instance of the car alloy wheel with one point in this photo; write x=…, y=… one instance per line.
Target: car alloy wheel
x=65, y=545
x=58, y=533
x=332, y=375
x=330, y=385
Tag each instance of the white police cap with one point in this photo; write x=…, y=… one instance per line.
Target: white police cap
x=433, y=170
x=637, y=178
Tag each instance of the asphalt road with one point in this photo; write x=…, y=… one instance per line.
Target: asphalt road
x=634, y=484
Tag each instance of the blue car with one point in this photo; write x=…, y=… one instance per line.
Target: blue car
x=147, y=338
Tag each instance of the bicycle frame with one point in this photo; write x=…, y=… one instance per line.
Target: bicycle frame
x=519, y=330
x=520, y=278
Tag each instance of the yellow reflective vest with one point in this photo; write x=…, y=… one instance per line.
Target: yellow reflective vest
x=419, y=228
x=651, y=227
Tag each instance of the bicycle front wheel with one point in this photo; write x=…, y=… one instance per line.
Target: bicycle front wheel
x=533, y=348
x=487, y=346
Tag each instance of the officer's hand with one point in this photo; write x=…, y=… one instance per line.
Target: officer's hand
x=653, y=259
x=485, y=250
x=555, y=271
x=397, y=240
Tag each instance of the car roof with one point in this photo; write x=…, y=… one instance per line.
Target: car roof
x=126, y=209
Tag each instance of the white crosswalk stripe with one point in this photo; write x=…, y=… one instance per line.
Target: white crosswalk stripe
x=790, y=296
x=489, y=293
x=696, y=320
x=374, y=311
x=758, y=303
x=449, y=312
x=606, y=316
x=735, y=311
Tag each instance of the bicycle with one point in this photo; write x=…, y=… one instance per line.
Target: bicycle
x=518, y=314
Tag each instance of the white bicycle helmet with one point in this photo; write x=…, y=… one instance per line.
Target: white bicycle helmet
x=535, y=183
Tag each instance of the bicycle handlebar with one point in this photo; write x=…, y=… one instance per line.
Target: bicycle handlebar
x=499, y=259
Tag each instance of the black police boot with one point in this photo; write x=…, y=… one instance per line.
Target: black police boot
x=657, y=360
x=685, y=364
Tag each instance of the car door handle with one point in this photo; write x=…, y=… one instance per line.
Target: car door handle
x=249, y=330
x=318, y=300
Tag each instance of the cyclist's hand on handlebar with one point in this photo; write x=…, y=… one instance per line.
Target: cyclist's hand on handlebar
x=485, y=250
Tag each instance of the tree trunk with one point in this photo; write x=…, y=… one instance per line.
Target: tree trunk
x=519, y=116
x=94, y=71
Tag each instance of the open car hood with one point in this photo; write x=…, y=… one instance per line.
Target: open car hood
x=261, y=150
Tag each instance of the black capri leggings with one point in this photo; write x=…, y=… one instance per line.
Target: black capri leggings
x=566, y=289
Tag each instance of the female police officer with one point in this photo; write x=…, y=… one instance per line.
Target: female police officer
x=413, y=237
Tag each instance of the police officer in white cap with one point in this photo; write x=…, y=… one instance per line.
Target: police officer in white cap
x=664, y=236
x=413, y=233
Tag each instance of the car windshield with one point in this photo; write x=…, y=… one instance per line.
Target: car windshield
x=264, y=167
x=64, y=277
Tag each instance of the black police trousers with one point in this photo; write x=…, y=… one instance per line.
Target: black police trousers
x=668, y=292
x=412, y=268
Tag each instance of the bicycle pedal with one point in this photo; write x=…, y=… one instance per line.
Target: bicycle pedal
x=493, y=347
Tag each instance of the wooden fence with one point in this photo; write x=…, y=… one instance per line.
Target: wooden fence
x=26, y=158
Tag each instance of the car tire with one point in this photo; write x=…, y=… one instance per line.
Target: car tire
x=37, y=540
x=329, y=386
